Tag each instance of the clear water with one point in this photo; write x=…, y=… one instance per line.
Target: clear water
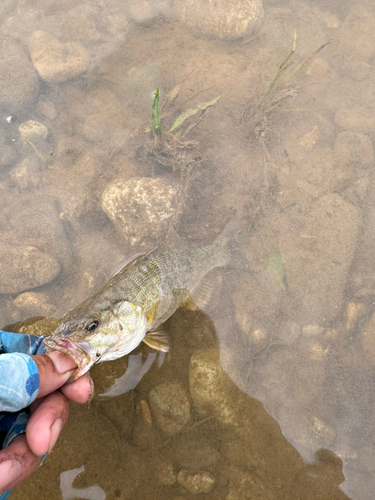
x=278, y=369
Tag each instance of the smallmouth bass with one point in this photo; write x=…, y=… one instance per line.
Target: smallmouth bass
x=133, y=305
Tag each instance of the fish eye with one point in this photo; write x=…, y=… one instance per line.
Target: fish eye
x=93, y=325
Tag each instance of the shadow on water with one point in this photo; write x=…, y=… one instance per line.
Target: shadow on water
x=185, y=429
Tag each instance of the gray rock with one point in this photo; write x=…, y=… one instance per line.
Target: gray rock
x=170, y=406
x=57, y=62
x=19, y=83
x=201, y=482
x=141, y=209
x=25, y=267
x=317, y=260
x=221, y=18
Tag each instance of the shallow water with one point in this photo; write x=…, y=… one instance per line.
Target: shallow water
x=268, y=392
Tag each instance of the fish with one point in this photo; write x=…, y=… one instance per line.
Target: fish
x=134, y=304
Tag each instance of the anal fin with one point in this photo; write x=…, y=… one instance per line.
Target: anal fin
x=158, y=339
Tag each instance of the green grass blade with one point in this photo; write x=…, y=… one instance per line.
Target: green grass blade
x=155, y=115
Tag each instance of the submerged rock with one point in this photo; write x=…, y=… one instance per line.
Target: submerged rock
x=33, y=303
x=317, y=259
x=170, y=406
x=57, y=62
x=19, y=83
x=202, y=482
x=141, y=208
x=247, y=485
x=25, y=267
x=33, y=131
x=221, y=18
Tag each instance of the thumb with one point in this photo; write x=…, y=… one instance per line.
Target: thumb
x=54, y=368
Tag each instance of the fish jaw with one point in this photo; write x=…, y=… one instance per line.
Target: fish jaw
x=81, y=352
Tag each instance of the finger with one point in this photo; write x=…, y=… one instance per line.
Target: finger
x=79, y=391
x=46, y=423
x=55, y=368
x=17, y=462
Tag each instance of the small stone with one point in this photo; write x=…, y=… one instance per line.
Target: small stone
x=170, y=406
x=222, y=18
x=354, y=311
x=164, y=474
x=25, y=267
x=309, y=140
x=34, y=303
x=354, y=150
x=141, y=209
x=202, y=482
x=312, y=330
x=247, y=485
x=318, y=67
x=33, y=131
x=57, y=62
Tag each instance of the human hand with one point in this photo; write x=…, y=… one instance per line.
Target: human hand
x=49, y=413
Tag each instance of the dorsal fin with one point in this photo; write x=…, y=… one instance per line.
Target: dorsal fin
x=173, y=240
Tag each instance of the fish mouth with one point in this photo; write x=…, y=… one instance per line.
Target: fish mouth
x=80, y=352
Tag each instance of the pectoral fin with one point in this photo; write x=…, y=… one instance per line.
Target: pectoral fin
x=158, y=339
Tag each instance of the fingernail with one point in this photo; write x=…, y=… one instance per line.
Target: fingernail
x=55, y=431
x=62, y=362
x=10, y=470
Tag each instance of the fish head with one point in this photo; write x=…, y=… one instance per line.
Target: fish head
x=99, y=336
